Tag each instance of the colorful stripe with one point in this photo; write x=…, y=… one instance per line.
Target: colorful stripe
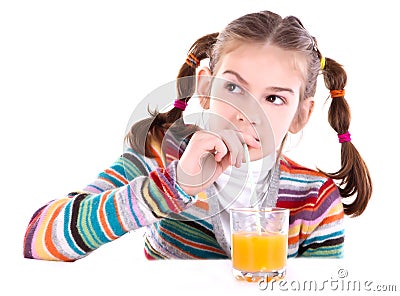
x=137, y=191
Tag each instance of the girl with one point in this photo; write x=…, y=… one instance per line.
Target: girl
x=178, y=180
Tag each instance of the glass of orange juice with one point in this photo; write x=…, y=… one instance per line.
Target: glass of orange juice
x=259, y=243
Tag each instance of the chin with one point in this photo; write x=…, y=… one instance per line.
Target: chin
x=255, y=154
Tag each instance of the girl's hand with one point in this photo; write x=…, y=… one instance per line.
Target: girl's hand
x=208, y=154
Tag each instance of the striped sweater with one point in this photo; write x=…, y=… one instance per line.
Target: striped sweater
x=137, y=192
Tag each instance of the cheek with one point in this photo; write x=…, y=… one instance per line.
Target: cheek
x=280, y=123
x=221, y=116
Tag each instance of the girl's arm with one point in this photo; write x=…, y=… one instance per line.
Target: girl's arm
x=130, y=194
x=324, y=232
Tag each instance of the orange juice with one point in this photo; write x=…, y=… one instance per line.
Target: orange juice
x=255, y=252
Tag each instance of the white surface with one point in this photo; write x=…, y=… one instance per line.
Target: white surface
x=71, y=72
x=118, y=274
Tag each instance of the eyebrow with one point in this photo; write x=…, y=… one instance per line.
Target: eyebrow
x=270, y=88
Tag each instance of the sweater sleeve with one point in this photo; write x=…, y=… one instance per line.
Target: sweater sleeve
x=324, y=232
x=132, y=193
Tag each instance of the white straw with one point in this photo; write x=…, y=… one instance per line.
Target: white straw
x=253, y=197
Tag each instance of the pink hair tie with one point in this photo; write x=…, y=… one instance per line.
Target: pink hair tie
x=344, y=137
x=180, y=104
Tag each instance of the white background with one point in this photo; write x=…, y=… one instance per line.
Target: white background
x=71, y=73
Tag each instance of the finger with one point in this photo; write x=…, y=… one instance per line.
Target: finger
x=238, y=149
x=240, y=155
x=225, y=163
x=233, y=140
x=220, y=150
x=213, y=143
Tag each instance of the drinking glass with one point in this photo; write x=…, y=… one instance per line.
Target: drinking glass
x=259, y=243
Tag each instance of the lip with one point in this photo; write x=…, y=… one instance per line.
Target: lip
x=255, y=138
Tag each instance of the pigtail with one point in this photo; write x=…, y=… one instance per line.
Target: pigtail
x=143, y=132
x=355, y=180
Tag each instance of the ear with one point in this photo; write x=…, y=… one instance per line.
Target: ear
x=303, y=115
x=203, y=87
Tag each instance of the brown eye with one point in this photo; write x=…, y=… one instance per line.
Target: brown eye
x=233, y=88
x=276, y=100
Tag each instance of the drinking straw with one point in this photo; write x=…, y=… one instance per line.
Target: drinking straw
x=253, y=197
x=250, y=173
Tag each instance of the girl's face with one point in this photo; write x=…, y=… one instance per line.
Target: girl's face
x=257, y=86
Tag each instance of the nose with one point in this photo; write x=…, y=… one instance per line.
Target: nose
x=252, y=118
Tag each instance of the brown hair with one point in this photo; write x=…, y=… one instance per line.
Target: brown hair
x=288, y=33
